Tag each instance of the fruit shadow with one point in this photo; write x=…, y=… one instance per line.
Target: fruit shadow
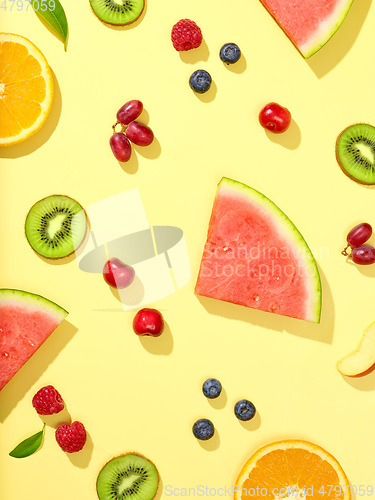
x=41, y=137
x=211, y=444
x=367, y=270
x=151, y=152
x=160, y=490
x=253, y=424
x=63, y=417
x=131, y=166
x=162, y=345
x=363, y=383
x=238, y=67
x=34, y=368
x=289, y=139
x=81, y=459
x=339, y=45
x=129, y=26
x=201, y=53
x=322, y=332
x=220, y=402
x=208, y=96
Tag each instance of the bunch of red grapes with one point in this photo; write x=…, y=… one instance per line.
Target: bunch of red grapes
x=360, y=253
x=131, y=131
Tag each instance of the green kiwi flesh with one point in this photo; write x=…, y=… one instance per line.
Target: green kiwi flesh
x=355, y=152
x=56, y=226
x=130, y=477
x=117, y=12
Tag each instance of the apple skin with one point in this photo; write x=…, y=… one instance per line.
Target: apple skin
x=117, y=274
x=275, y=118
x=148, y=322
x=362, y=361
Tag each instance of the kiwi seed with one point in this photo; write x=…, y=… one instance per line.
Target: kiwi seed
x=118, y=12
x=355, y=152
x=56, y=226
x=130, y=476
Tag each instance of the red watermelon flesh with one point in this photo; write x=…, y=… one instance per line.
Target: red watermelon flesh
x=255, y=256
x=308, y=23
x=26, y=321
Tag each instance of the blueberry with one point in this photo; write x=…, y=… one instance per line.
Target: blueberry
x=211, y=388
x=244, y=410
x=203, y=429
x=200, y=81
x=230, y=53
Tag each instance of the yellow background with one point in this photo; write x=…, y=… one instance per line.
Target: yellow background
x=144, y=394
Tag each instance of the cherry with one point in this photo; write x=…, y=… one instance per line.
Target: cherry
x=139, y=134
x=148, y=322
x=129, y=111
x=275, y=118
x=117, y=274
x=120, y=146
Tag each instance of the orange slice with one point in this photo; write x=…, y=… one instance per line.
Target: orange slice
x=26, y=89
x=294, y=470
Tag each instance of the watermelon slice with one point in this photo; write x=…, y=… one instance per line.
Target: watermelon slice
x=256, y=257
x=26, y=321
x=308, y=23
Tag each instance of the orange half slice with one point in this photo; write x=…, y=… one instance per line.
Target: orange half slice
x=26, y=89
x=292, y=470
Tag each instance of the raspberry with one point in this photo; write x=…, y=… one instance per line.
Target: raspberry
x=186, y=35
x=71, y=438
x=47, y=401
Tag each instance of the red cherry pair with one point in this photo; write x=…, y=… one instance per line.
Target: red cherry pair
x=132, y=130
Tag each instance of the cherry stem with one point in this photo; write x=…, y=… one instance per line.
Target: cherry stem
x=344, y=252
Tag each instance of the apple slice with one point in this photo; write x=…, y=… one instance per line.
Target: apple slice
x=361, y=361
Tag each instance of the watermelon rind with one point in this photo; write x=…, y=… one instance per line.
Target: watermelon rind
x=316, y=40
x=286, y=226
x=32, y=299
x=20, y=339
x=327, y=31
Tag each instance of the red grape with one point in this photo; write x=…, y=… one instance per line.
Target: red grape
x=364, y=255
x=359, y=235
x=129, y=111
x=139, y=134
x=120, y=146
x=275, y=118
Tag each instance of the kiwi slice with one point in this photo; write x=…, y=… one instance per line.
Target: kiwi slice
x=355, y=152
x=56, y=226
x=118, y=12
x=129, y=476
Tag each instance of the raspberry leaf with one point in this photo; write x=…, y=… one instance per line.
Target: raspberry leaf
x=28, y=446
x=52, y=12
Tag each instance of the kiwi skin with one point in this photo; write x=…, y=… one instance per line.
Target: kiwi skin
x=47, y=259
x=338, y=159
x=120, y=24
x=138, y=455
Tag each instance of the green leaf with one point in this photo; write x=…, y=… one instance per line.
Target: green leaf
x=28, y=446
x=53, y=13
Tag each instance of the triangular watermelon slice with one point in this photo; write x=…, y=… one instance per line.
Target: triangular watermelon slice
x=256, y=257
x=26, y=321
x=308, y=23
